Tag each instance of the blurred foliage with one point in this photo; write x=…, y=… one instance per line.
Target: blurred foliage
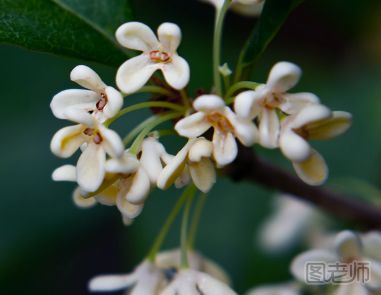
x=47, y=246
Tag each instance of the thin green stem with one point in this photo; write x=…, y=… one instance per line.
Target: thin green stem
x=185, y=99
x=184, y=230
x=196, y=220
x=220, y=15
x=135, y=132
x=168, y=222
x=147, y=129
x=144, y=105
x=229, y=97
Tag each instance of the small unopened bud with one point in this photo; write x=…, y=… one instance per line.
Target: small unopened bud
x=225, y=70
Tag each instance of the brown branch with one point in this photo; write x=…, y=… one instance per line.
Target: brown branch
x=250, y=167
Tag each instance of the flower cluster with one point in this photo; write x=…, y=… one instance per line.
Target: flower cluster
x=112, y=171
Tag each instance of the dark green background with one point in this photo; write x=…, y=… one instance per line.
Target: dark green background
x=48, y=246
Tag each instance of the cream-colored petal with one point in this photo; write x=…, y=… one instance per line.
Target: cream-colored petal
x=108, y=196
x=127, y=164
x=193, y=125
x=111, y=282
x=80, y=116
x=225, y=148
x=65, y=173
x=114, y=102
x=67, y=141
x=209, y=285
x=184, y=178
x=211, y=268
x=312, y=114
x=91, y=167
x=79, y=99
x=137, y=36
x=139, y=188
x=269, y=129
x=201, y=148
x=251, y=10
x=82, y=202
x=150, y=159
x=313, y=171
x=169, y=36
x=332, y=127
x=300, y=262
x=174, y=168
x=283, y=76
x=128, y=209
x=293, y=146
x=203, y=174
x=276, y=289
x=135, y=72
x=294, y=103
x=247, y=104
x=208, y=103
x=375, y=274
x=176, y=72
x=372, y=244
x=245, y=130
x=351, y=289
x=87, y=78
x=348, y=245
x=112, y=143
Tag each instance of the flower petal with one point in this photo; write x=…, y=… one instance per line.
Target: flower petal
x=283, y=76
x=134, y=73
x=209, y=103
x=87, y=78
x=246, y=104
x=209, y=285
x=82, y=202
x=351, y=289
x=314, y=170
x=375, y=275
x=372, y=244
x=299, y=263
x=201, y=148
x=277, y=289
x=137, y=36
x=109, y=195
x=151, y=158
x=79, y=99
x=174, y=168
x=65, y=173
x=294, y=103
x=294, y=147
x=169, y=36
x=269, y=129
x=244, y=130
x=193, y=125
x=336, y=125
x=348, y=245
x=67, y=141
x=310, y=115
x=127, y=164
x=128, y=209
x=111, y=282
x=139, y=187
x=114, y=102
x=112, y=143
x=91, y=167
x=203, y=174
x=176, y=72
x=225, y=148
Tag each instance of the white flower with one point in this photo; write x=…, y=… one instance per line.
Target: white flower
x=147, y=278
x=315, y=122
x=349, y=247
x=213, y=113
x=81, y=105
x=192, y=282
x=292, y=220
x=156, y=55
x=109, y=196
x=270, y=97
x=245, y=7
x=95, y=141
x=278, y=289
x=195, y=156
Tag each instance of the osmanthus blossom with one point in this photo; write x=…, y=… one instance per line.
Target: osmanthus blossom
x=211, y=112
x=95, y=141
x=157, y=54
x=194, y=157
x=110, y=196
x=80, y=105
x=289, y=288
x=268, y=99
x=152, y=278
x=314, y=122
x=349, y=247
x=193, y=282
x=245, y=7
x=292, y=221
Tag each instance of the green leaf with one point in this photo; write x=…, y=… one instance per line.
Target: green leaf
x=274, y=14
x=81, y=29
